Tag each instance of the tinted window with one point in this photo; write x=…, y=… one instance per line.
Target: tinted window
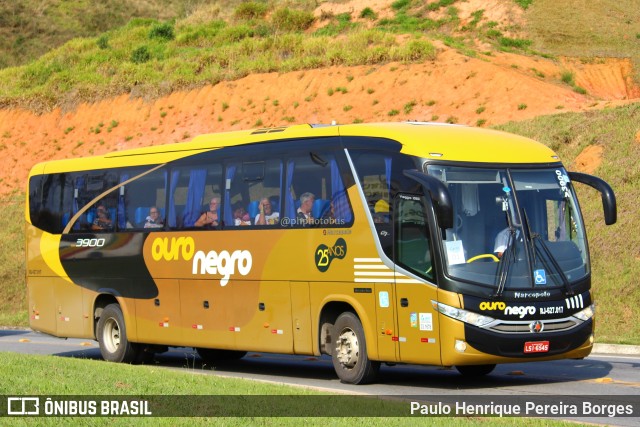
x=315, y=192
x=191, y=190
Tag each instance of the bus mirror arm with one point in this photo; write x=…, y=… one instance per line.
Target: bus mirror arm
x=608, y=196
x=439, y=194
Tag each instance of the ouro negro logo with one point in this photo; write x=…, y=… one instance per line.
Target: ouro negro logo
x=220, y=263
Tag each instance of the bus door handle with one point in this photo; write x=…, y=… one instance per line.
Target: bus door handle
x=404, y=302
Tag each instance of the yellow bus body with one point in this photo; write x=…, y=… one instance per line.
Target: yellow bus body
x=274, y=301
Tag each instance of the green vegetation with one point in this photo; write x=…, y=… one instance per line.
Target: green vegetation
x=142, y=51
x=614, y=249
x=368, y=13
x=195, y=44
x=408, y=107
x=524, y=3
x=568, y=78
x=547, y=27
x=13, y=310
x=31, y=28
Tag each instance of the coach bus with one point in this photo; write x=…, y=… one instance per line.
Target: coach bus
x=411, y=242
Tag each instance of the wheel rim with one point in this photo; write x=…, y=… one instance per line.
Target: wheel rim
x=111, y=335
x=347, y=348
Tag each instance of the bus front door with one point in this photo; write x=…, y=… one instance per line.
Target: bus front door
x=417, y=319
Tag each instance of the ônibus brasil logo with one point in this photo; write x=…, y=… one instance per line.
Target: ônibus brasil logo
x=214, y=263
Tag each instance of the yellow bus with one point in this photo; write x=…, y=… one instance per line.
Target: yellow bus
x=410, y=242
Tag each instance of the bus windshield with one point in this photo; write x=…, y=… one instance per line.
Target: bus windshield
x=513, y=228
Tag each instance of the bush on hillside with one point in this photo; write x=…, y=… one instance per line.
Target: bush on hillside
x=251, y=10
x=289, y=20
x=140, y=55
x=163, y=31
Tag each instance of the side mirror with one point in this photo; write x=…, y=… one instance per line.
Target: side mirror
x=608, y=197
x=439, y=195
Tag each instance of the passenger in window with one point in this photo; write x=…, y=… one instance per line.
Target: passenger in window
x=266, y=216
x=303, y=214
x=153, y=220
x=102, y=221
x=210, y=218
x=241, y=216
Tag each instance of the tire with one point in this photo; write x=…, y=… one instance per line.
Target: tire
x=211, y=356
x=474, y=371
x=112, y=337
x=349, y=352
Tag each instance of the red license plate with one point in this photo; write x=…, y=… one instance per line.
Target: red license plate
x=536, y=346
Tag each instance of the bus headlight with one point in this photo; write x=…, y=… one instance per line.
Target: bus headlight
x=586, y=314
x=465, y=316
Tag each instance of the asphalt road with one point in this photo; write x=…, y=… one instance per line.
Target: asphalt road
x=611, y=378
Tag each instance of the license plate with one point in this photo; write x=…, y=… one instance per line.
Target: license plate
x=536, y=346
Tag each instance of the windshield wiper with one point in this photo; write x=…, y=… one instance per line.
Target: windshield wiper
x=536, y=237
x=508, y=256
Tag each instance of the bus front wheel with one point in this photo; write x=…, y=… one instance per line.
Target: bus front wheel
x=349, y=355
x=112, y=337
x=475, y=370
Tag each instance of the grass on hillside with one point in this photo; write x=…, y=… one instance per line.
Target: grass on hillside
x=151, y=58
x=587, y=30
x=31, y=28
x=28, y=375
x=13, y=291
x=615, y=250
x=233, y=38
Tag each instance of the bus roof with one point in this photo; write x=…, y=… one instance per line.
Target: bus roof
x=457, y=143
x=429, y=140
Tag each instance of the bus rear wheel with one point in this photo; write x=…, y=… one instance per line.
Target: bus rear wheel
x=349, y=355
x=112, y=337
x=472, y=371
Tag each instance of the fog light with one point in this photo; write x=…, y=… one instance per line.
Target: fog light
x=591, y=339
x=460, y=346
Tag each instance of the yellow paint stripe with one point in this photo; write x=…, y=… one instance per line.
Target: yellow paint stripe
x=50, y=251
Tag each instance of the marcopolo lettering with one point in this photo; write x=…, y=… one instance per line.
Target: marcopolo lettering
x=212, y=262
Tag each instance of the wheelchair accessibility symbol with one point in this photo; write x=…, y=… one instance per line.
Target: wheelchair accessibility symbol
x=540, y=277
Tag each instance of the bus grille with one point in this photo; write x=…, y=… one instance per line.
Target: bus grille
x=523, y=327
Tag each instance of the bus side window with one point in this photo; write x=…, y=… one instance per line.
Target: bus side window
x=319, y=175
x=137, y=197
x=190, y=190
x=250, y=182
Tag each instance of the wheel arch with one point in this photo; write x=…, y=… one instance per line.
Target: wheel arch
x=111, y=296
x=327, y=318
